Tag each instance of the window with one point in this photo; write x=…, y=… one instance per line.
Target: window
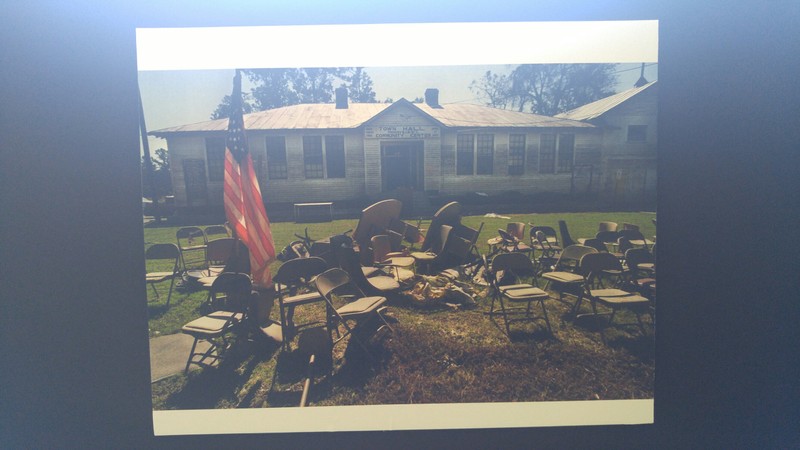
x=485, y=153
x=637, y=133
x=566, y=152
x=334, y=156
x=465, y=154
x=215, y=158
x=516, y=154
x=276, y=158
x=312, y=156
x=547, y=153
x=475, y=157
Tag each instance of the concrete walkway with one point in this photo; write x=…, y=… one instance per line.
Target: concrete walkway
x=168, y=355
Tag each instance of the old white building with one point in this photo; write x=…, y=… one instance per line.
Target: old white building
x=345, y=151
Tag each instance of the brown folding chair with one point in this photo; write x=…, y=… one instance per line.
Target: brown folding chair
x=515, y=266
x=347, y=304
x=231, y=292
x=597, y=266
x=293, y=286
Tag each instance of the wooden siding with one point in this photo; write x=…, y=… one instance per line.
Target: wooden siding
x=531, y=181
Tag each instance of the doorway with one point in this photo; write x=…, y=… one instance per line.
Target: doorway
x=402, y=165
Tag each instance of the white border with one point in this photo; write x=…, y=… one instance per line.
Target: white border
x=396, y=45
x=403, y=417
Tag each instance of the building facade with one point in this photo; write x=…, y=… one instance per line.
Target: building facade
x=342, y=151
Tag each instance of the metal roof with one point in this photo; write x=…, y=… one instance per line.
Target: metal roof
x=326, y=116
x=598, y=108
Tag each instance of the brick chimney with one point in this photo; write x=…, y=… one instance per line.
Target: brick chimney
x=341, y=97
x=432, y=98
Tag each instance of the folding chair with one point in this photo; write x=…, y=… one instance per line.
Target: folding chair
x=217, y=231
x=596, y=266
x=566, y=239
x=383, y=256
x=292, y=278
x=336, y=286
x=192, y=244
x=641, y=271
x=515, y=266
x=564, y=276
x=232, y=292
x=163, y=252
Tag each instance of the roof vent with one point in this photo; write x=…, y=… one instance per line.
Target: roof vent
x=341, y=98
x=432, y=98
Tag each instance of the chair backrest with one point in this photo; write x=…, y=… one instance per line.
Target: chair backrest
x=216, y=230
x=596, y=244
x=623, y=245
x=190, y=236
x=566, y=239
x=607, y=236
x=517, y=263
x=331, y=280
x=607, y=226
x=516, y=229
x=237, y=288
x=593, y=264
x=631, y=235
x=636, y=256
x=629, y=226
x=381, y=246
x=548, y=231
x=299, y=270
x=162, y=251
x=571, y=256
x=219, y=251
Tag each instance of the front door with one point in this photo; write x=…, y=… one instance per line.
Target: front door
x=402, y=165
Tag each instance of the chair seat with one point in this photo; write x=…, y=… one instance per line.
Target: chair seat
x=159, y=276
x=617, y=297
x=523, y=292
x=563, y=277
x=384, y=283
x=212, y=324
x=206, y=282
x=423, y=256
x=398, y=261
x=361, y=306
x=650, y=267
x=302, y=299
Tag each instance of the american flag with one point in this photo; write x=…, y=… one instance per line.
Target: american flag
x=244, y=206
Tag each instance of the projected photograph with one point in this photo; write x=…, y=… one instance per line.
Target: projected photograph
x=469, y=242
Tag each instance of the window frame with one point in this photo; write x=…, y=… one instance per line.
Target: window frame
x=215, y=166
x=462, y=162
x=341, y=167
x=547, y=159
x=277, y=168
x=564, y=164
x=516, y=162
x=475, y=156
x=313, y=165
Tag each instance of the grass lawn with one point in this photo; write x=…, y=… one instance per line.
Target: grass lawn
x=437, y=354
